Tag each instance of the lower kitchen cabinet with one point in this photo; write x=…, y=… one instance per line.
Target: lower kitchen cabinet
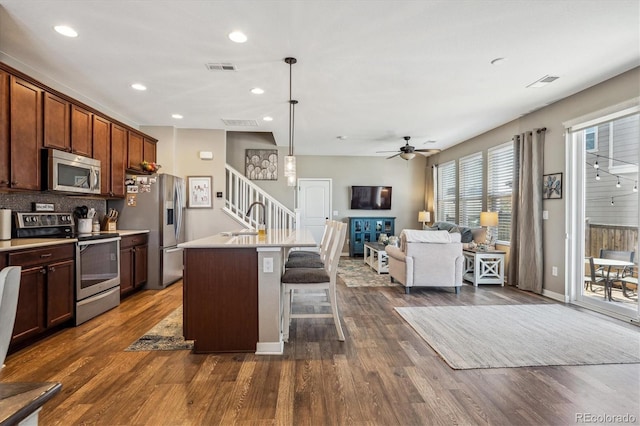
x=133, y=263
x=46, y=292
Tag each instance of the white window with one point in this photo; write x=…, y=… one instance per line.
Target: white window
x=446, y=192
x=591, y=139
x=470, y=190
x=499, y=188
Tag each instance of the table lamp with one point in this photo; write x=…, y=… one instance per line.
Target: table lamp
x=488, y=219
x=424, y=216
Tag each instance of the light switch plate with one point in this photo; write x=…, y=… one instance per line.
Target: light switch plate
x=545, y=214
x=267, y=264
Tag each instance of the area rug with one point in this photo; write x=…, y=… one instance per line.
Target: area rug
x=164, y=336
x=468, y=337
x=356, y=273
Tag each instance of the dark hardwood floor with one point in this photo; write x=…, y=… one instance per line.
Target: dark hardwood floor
x=384, y=374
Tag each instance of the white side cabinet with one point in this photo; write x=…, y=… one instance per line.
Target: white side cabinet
x=484, y=266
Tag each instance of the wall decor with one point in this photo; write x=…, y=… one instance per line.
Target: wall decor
x=261, y=164
x=552, y=186
x=199, y=188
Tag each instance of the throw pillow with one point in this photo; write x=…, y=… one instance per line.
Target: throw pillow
x=454, y=230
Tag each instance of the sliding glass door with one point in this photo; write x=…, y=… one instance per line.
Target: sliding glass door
x=604, y=212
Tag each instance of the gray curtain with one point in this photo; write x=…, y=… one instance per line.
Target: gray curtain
x=525, y=258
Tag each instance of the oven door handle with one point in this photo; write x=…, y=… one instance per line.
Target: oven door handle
x=98, y=241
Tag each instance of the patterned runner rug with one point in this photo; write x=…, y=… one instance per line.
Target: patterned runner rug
x=164, y=336
x=499, y=336
x=356, y=273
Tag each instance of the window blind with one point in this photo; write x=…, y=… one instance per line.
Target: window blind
x=470, y=190
x=499, y=187
x=446, y=192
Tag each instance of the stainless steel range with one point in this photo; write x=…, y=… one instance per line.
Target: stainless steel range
x=97, y=260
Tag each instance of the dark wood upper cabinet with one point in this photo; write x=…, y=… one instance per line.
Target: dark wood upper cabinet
x=102, y=151
x=56, y=122
x=25, y=118
x=118, y=160
x=135, y=151
x=81, y=131
x=5, y=150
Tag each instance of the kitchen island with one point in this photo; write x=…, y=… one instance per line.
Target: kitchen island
x=232, y=296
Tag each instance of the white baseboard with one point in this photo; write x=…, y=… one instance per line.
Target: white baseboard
x=270, y=348
x=555, y=296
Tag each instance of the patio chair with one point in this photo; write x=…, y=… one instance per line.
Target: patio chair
x=593, y=278
x=619, y=273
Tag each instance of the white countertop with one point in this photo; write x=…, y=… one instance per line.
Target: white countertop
x=274, y=238
x=25, y=243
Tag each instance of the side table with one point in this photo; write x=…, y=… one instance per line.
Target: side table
x=376, y=257
x=483, y=266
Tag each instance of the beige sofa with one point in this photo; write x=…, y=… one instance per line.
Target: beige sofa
x=427, y=259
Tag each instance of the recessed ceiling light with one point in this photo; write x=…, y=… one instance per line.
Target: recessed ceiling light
x=257, y=91
x=498, y=61
x=342, y=137
x=267, y=118
x=138, y=86
x=238, y=37
x=66, y=31
x=177, y=116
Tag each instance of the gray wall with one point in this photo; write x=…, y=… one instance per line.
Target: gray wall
x=608, y=93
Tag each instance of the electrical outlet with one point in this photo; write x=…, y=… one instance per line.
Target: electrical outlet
x=554, y=271
x=267, y=264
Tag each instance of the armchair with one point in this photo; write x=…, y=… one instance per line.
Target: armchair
x=427, y=259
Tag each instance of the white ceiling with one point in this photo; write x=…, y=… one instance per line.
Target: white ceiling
x=373, y=71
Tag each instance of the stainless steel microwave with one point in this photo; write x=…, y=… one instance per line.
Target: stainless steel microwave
x=66, y=172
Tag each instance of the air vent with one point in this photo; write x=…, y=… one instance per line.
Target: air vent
x=241, y=123
x=543, y=81
x=221, y=67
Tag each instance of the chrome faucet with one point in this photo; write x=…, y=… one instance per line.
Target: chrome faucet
x=264, y=211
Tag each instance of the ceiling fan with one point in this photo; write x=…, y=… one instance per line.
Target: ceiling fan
x=407, y=152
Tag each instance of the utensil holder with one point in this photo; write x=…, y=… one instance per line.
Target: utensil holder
x=84, y=226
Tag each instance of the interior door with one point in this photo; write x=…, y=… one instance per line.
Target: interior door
x=314, y=205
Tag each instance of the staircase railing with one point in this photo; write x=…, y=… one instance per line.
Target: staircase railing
x=241, y=193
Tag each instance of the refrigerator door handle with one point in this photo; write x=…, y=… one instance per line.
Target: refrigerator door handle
x=177, y=207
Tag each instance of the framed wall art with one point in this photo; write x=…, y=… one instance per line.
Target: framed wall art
x=552, y=186
x=199, y=192
x=261, y=164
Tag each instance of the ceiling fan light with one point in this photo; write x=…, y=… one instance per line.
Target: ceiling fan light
x=407, y=155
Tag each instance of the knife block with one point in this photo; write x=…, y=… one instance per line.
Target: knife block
x=109, y=224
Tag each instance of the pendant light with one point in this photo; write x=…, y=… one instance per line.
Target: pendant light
x=290, y=160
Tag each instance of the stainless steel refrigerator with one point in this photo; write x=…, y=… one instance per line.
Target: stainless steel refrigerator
x=158, y=207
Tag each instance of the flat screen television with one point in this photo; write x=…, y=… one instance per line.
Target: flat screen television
x=370, y=197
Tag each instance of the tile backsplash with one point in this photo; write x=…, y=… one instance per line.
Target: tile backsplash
x=23, y=202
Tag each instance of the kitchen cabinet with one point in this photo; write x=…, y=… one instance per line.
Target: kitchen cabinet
x=25, y=130
x=133, y=263
x=135, y=147
x=118, y=160
x=46, y=297
x=149, y=150
x=367, y=229
x=81, y=131
x=56, y=122
x=5, y=151
x=102, y=151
